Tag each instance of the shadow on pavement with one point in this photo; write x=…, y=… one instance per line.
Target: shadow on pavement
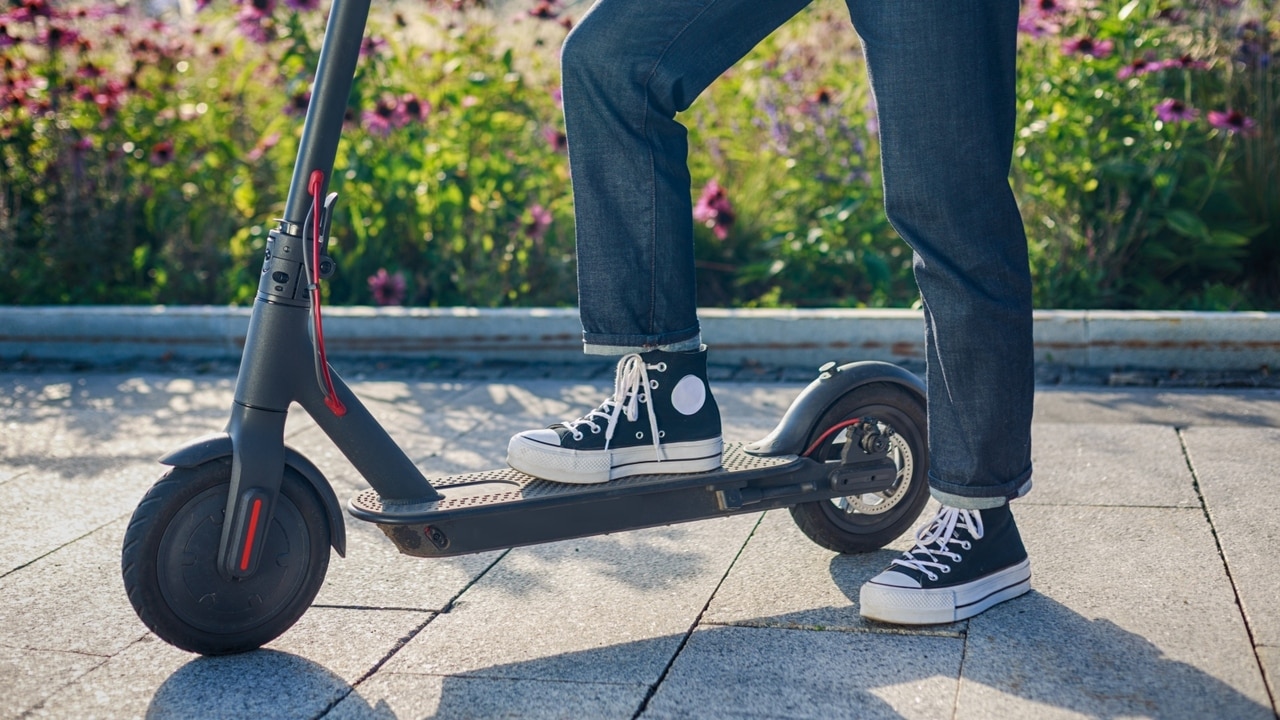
x=261, y=684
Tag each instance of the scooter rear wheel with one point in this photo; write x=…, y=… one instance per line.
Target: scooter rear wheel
x=863, y=523
x=170, y=554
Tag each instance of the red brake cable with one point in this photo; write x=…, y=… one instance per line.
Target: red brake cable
x=316, y=186
x=833, y=430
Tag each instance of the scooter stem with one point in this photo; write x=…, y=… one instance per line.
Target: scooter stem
x=277, y=367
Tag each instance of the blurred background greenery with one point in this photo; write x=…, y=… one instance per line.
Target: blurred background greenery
x=147, y=148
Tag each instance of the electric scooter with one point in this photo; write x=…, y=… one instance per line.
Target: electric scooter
x=230, y=546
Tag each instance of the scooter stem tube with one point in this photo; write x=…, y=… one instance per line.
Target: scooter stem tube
x=339, y=54
x=277, y=367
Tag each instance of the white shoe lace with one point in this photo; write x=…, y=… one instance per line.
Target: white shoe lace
x=631, y=386
x=939, y=534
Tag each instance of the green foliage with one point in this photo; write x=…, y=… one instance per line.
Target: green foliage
x=143, y=161
x=1127, y=208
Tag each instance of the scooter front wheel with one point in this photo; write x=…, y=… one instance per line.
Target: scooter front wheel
x=170, y=567
x=862, y=523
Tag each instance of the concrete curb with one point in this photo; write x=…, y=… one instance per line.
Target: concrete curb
x=1101, y=339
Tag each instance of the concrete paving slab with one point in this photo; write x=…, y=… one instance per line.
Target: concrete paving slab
x=133, y=415
x=1131, y=615
x=31, y=676
x=783, y=579
x=374, y=574
x=1269, y=657
x=1154, y=406
x=45, y=508
x=736, y=672
x=399, y=696
x=304, y=672
x=1139, y=465
x=1238, y=473
x=71, y=600
x=603, y=609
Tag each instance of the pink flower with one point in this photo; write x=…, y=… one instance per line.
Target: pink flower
x=555, y=138
x=1172, y=111
x=412, y=109
x=1186, y=62
x=545, y=10
x=1138, y=68
x=1035, y=27
x=714, y=210
x=262, y=147
x=162, y=152
x=1088, y=46
x=372, y=45
x=536, y=228
x=387, y=289
x=1232, y=121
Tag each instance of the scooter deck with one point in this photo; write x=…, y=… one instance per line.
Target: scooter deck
x=507, y=508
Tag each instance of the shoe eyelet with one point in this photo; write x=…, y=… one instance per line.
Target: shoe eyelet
x=644, y=398
x=595, y=429
x=661, y=367
x=653, y=384
x=945, y=569
x=932, y=577
x=662, y=434
x=639, y=436
x=578, y=436
x=966, y=545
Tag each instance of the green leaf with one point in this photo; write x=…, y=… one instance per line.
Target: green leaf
x=1187, y=224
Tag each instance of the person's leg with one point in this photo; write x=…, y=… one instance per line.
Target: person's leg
x=943, y=76
x=628, y=67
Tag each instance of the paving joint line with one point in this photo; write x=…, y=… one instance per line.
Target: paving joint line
x=653, y=689
x=405, y=640
x=73, y=541
x=1226, y=566
x=953, y=635
x=105, y=659
x=388, y=608
x=964, y=654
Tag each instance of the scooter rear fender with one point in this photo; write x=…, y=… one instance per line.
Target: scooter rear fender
x=797, y=424
x=218, y=445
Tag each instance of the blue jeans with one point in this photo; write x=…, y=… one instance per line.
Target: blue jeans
x=943, y=76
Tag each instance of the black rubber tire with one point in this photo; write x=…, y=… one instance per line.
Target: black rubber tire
x=169, y=562
x=834, y=528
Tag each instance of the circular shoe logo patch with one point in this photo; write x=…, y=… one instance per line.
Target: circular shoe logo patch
x=689, y=395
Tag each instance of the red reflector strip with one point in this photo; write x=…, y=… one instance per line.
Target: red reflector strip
x=253, y=530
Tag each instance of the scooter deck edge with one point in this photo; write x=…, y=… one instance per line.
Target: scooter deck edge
x=506, y=508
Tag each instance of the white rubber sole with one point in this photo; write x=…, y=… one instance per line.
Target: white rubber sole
x=588, y=467
x=916, y=606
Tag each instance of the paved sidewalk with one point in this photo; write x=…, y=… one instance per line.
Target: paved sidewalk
x=1152, y=531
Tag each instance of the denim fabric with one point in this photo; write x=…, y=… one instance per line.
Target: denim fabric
x=943, y=76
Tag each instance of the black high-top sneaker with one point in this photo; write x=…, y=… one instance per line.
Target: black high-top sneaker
x=661, y=418
x=963, y=562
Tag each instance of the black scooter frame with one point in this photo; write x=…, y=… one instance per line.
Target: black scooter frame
x=278, y=369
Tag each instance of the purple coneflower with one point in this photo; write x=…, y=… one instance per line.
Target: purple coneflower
x=714, y=210
x=540, y=220
x=1138, y=68
x=1232, y=121
x=162, y=152
x=1088, y=46
x=387, y=289
x=1172, y=111
x=555, y=138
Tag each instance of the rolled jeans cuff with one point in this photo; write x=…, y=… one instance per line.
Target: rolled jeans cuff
x=685, y=340
x=967, y=497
